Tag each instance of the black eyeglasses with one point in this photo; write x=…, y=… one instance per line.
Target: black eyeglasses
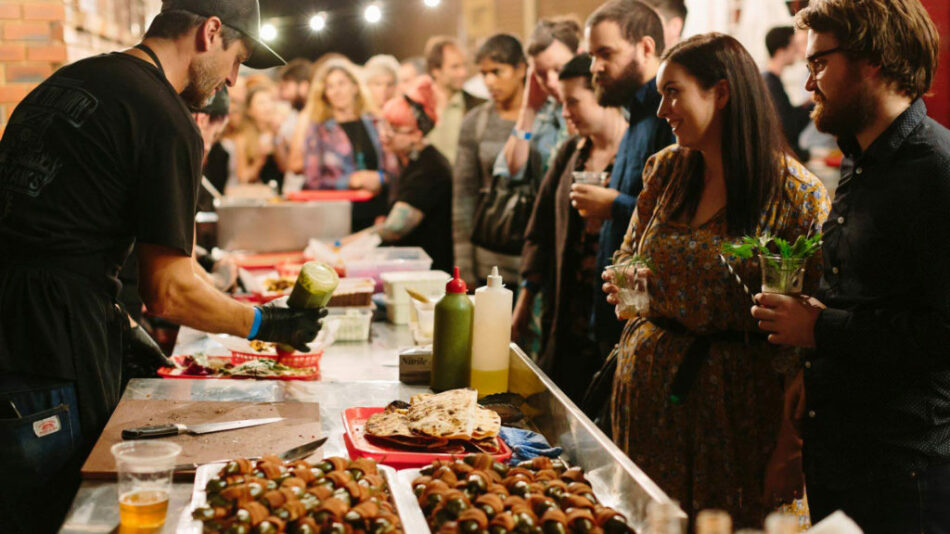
x=815, y=68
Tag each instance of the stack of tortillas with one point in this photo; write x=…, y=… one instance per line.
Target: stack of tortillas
x=448, y=420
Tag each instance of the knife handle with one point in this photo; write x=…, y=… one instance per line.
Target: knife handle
x=149, y=432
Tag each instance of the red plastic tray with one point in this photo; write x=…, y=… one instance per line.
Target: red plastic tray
x=329, y=195
x=354, y=421
x=166, y=372
x=268, y=260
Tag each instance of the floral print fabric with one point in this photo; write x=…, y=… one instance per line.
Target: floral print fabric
x=711, y=450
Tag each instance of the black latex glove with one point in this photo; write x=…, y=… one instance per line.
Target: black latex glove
x=143, y=356
x=289, y=326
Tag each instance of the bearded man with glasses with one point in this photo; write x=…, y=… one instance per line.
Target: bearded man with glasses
x=877, y=384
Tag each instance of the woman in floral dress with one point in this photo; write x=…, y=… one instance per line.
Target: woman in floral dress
x=729, y=175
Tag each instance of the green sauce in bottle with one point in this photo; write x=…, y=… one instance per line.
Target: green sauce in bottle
x=314, y=286
x=452, y=337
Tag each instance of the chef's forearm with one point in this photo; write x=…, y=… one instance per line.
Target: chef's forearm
x=171, y=289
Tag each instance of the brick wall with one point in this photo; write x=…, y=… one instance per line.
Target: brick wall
x=39, y=36
x=31, y=47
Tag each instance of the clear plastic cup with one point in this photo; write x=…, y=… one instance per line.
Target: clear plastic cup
x=782, y=275
x=425, y=316
x=589, y=178
x=145, y=470
x=633, y=295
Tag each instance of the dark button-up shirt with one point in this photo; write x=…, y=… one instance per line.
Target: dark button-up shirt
x=878, y=385
x=647, y=135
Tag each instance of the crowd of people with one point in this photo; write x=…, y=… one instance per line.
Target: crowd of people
x=615, y=142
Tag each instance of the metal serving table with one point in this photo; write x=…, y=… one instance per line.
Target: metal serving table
x=366, y=374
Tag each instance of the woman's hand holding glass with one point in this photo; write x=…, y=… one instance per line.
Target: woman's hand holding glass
x=593, y=201
x=632, y=285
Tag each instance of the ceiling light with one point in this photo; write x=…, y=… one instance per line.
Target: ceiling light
x=373, y=13
x=268, y=32
x=432, y=3
x=318, y=22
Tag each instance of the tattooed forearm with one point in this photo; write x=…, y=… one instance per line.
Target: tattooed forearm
x=402, y=220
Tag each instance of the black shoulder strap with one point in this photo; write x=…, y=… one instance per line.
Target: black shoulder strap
x=151, y=54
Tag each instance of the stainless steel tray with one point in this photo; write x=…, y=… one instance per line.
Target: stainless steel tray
x=264, y=226
x=409, y=513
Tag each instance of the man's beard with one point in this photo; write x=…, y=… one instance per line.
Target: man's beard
x=619, y=92
x=202, y=85
x=851, y=113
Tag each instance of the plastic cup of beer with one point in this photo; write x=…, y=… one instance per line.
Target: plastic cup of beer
x=145, y=482
x=589, y=178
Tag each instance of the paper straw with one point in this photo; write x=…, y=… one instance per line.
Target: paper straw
x=738, y=279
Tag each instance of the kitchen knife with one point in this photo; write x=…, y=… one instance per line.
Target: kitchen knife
x=302, y=451
x=160, y=431
x=290, y=455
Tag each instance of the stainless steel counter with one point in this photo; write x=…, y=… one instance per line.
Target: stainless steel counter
x=366, y=374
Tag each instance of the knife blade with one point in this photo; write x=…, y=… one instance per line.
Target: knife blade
x=290, y=455
x=302, y=451
x=158, y=431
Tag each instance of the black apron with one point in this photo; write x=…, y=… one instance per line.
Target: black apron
x=62, y=339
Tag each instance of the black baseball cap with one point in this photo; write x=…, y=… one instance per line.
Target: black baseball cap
x=242, y=15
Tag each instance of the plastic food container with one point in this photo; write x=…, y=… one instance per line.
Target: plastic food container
x=353, y=292
x=388, y=260
x=353, y=323
x=424, y=282
x=397, y=313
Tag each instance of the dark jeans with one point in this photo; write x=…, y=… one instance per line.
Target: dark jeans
x=917, y=503
x=41, y=450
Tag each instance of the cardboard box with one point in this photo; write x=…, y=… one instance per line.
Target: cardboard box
x=415, y=365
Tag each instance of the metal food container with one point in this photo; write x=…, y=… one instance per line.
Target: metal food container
x=267, y=226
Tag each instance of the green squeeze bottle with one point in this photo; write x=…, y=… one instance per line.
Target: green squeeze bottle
x=313, y=289
x=452, y=337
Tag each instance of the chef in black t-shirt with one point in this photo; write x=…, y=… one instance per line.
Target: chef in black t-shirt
x=103, y=154
x=422, y=213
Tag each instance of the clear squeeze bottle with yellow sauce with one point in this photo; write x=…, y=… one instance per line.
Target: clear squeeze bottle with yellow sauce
x=491, y=337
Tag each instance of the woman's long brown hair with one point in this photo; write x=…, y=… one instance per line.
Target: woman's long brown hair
x=753, y=145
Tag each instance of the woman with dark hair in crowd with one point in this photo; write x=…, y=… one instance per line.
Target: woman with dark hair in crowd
x=560, y=250
x=339, y=147
x=485, y=130
x=422, y=213
x=707, y=441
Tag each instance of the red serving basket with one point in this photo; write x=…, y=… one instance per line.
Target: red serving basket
x=295, y=360
x=167, y=372
x=354, y=423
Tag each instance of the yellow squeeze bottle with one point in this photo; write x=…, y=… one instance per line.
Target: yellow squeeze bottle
x=491, y=336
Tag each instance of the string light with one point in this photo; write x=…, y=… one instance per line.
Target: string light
x=318, y=22
x=373, y=13
x=268, y=32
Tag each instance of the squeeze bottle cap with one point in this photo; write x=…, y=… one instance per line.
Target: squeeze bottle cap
x=494, y=279
x=456, y=284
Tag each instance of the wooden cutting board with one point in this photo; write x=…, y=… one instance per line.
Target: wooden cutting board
x=301, y=425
